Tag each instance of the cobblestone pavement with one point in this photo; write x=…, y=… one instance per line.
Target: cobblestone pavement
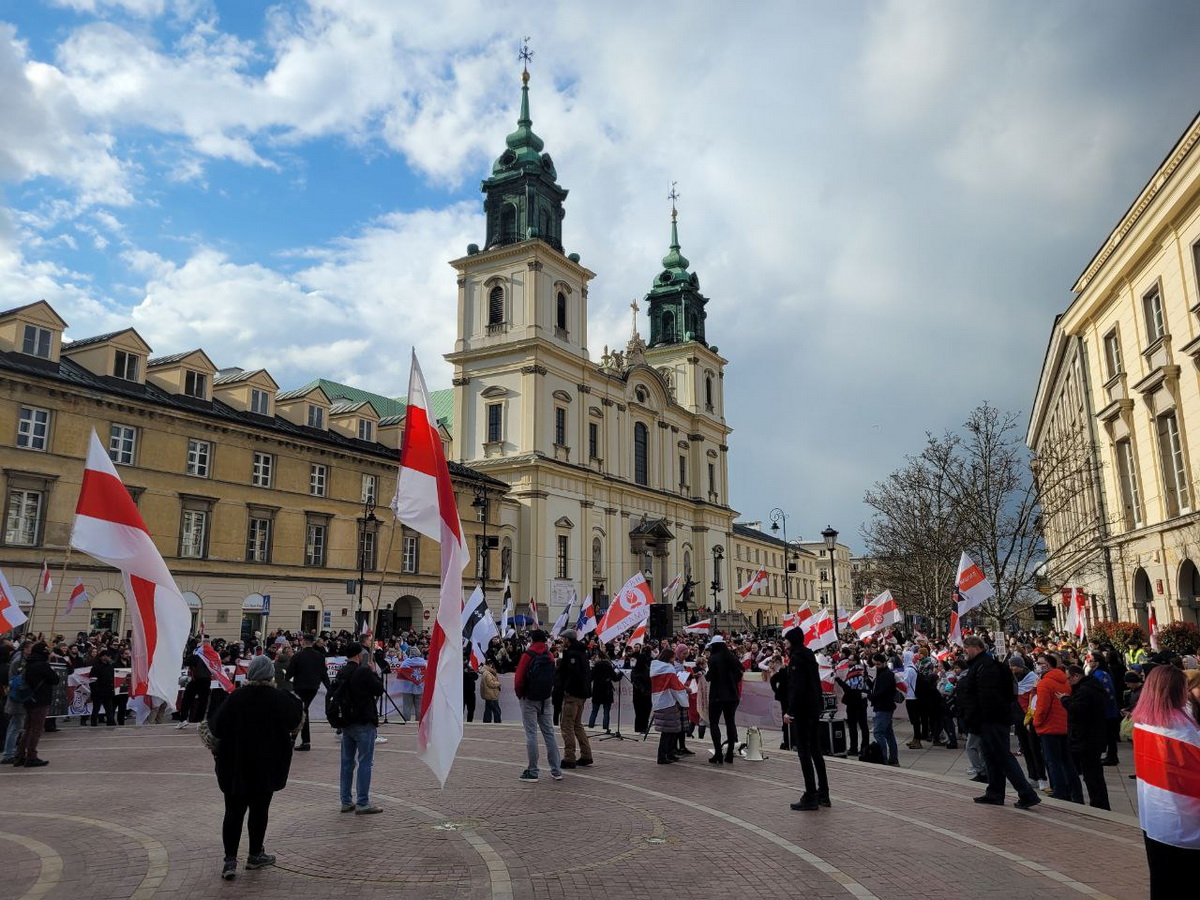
x=135, y=813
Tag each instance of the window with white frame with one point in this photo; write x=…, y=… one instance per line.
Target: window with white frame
x=122, y=444
x=195, y=384
x=316, y=531
x=1153, y=308
x=564, y=545
x=260, y=402
x=560, y=426
x=366, y=549
x=495, y=423
x=36, y=342
x=258, y=539
x=125, y=365
x=366, y=430
x=410, y=548
x=1112, y=354
x=1175, y=475
x=193, y=534
x=33, y=428
x=370, y=487
x=264, y=464
x=316, y=416
x=23, y=519
x=318, y=476
x=199, y=456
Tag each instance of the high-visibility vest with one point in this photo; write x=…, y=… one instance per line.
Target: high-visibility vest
x=1135, y=657
x=1167, y=763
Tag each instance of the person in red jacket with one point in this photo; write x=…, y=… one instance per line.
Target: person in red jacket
x=1050, y=723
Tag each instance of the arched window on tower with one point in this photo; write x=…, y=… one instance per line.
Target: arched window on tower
x=496, y=306
x=668, y=327
x=641, y=450
x=508, y=223
x=708, y=392
x=544, y=224
x=560, y=314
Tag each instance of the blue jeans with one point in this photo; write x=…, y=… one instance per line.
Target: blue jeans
x=1060, y=768
x=1001, y=764
x=885, y=736
x=491, y=710
x=536, y=715
x=606, y=707
x=358, y=741
x=16, y=723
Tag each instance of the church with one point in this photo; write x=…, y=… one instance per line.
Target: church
x=614, y=466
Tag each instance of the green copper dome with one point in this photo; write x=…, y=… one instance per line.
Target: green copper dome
x=676, y=305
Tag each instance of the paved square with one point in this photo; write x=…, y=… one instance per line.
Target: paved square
x=136, y=813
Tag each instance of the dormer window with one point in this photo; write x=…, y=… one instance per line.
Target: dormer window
x=125, y=365
x=316, y=417
x=36, y=342
x=366, y=430
x=260, y=402
x=195, y=384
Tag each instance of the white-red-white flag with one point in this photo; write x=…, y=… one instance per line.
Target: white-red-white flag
x=878, y=614
x=212, y=662
x=1167, y=760
x=1077, y=614
x=796, y=619
x=639, y=636
x=757, y=579
x=78, y=595
x=704, y=626
x=671, y=588
x=1153, y=631
x=109, y=528
x=426, y=503
x=11, y=615
x=628, y=608
x=819, y=631
x=971, y=585
x=45, y=584
x=955, y=627
x=533, y=613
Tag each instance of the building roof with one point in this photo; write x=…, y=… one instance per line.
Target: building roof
x=94, y=339
x=749, y=532
x=389, y=408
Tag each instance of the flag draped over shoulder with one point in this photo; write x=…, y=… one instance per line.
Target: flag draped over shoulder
x=11, y=615
x=109, y=528
x=212, y=662
x=629, y=607
x=425, y=502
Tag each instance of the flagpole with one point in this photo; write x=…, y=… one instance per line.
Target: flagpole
x=58, y=594
x=383, y=569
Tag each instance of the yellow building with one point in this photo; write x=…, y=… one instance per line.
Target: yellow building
x=755, y=549
x=1116, y=416
x=260, y=501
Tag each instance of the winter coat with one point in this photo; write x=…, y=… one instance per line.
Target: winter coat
x=1086, y=731
x=489, y=686
x=103, y=677
x=363, y=689
x=255, y=725
x=41, y=680
x=883, y=691
x=307, y=670
x=805, y=697
x=603, y=676
x=985, y=694
x=575, y=672
x=1050, y=717
x=724, y=676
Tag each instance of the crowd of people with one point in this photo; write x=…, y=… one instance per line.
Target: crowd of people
x=1067, y=703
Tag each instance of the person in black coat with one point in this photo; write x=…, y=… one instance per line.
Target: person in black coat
x=197, y=693
x=639, y=680
x=882, y=695
x=1087, y=735
x=470, y=686
x=103, y=688
x=603, y=678
x=854, y=697
x=254, y=727
x=574, y=677
x=779, y=690
x=724, y=677
x=307, y=671
x=40, y=679
x=805, y=704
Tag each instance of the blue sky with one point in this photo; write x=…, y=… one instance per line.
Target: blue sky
x=886, y=202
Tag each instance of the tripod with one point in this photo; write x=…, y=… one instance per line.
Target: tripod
x=616, y=735
x=385, y=699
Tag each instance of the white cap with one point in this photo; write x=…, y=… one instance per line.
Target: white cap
x=717, y=639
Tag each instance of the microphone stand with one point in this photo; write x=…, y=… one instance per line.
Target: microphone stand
x=616, y=735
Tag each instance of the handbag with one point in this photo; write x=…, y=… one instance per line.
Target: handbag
x=1126, y=729
x=207, y=738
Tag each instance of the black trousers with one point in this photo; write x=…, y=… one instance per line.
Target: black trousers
x=787, y=732
x=1112, y=730
x=916, y=716
x=727, y=709
x=1091, y=768
x=236, y=807
x=306, y=695
x=195, y=700
x=806, y=738
x=641, y=712
x=469, y=705
x=1167, y=867
x=109, y=704
x=856, y=724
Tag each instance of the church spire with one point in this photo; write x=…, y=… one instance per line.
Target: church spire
x=676, y=305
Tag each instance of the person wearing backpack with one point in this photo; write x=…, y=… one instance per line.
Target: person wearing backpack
x=352, y=706
x=533, y=685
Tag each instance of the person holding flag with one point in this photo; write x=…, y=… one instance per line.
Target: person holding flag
x=806, y=702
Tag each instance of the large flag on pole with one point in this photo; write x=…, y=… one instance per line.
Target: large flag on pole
x=1077, y=614
x=879, y=613
x=11, y=615
x=1153, y=631
x=955, y=627
x=587, y=618
x=671, y=588
x=796, y=619
x=425, y=502
x=704, y=626
x=78, y=595
x=506, y=617
x=971, y=585
x=533, y=613
x=109, y=528
x=478, y=627
x=629, y=607
x=819, y=631
x=758, y=578
x=639, y=636
x=562, y=621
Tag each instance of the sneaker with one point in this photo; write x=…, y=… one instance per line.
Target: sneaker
x=182, y=725
x=1029, y=802
x=527, y=776
x=259, y=860
x=304, y=747
x=568, y=763
x=585, y=762
x=229, y=870
x=367, y=810
x=990, y=801
x=806, y=803
x=557, y=776
x=347, y=807
x=36, y=763
x=380, y=740
x=1043, y=785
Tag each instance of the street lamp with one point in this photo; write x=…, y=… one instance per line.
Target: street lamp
x=830, y=534
x=367, y=524
x=777, y=516
x=481, y=503
x=718, y=558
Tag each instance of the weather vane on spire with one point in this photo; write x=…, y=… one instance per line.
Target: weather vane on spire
x=673, y=196
x=526, y=56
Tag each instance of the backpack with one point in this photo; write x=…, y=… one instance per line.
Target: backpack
x=539, y=677
x=872, y=753
x=338, y=711
x=19, y=690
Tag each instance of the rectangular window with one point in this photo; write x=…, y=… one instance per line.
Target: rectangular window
x=316, y=417
x=712, y=478
x=1112, y=354
x=193, y=534
x=122, y=443
x=199, y=454
x=1175, y=475
x=314, y=544
x=36, y=342
x=261, y=475
x=682, y=472
x=258, y=540
x=408, y=557
x=1152, y=305
x=370, y=484
x=260, y=402
x=23, y=522
x=366, y=549
x=125, y=365
x=560, y=426
x=495, y=422
x=563, y=544
x=318, y=475
x=593, y=440
x=195, y=384
x=366, y=430
x=33, y=428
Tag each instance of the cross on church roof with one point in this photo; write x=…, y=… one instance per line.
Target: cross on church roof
x=673, y=196
x=634, y=306
x=525, y=55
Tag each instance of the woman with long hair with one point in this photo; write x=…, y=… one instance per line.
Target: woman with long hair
x=1166, y=755
x=669, y=701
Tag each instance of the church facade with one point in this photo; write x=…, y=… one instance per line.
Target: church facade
x=617, y=465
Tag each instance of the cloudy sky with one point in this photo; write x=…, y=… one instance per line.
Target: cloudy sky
x=886, y=202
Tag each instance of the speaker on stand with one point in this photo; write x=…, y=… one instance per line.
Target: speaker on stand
x=661, y=621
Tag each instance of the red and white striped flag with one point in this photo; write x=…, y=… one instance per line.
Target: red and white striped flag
x=796, y=619
x=11, y=615
x=943, y=655
x=45, y=584
x=628, y=608
x=533, y=613
x=971, y=585
x=758, y=578
x=109, y=528
x=78, y=595
x=1167, y=761
x=1153, y=631
x=639, y=636
x=673, y=586
x=704, y=626
x=425, y=502
x=1077, y=614
x=587, y=618
x=818, y=631
x=666, y=687
x=212, y=662
x=955, y=627
x=878, y=614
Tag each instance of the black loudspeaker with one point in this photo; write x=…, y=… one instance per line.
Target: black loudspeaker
x=833, y=737
x=661, y=615
x=385, y=626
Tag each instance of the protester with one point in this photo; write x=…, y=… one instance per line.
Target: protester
x=533, y=685
x=574, y=679
x=363, y=689
x=489, y=692
x=724, y=676
x=670, y=704
x=40, y=680
x=882, y=695
x=197, y=694
x=806, y=702
x=1031, y=747
x=1165, y=737
x=639, y=682
x=254, y=729
x=470, y=686
x=1050, y=722
x=307, y=672
x=14, y=704
x=1087, y=733
x=603, y=677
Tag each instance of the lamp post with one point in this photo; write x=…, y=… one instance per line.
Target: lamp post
x=831, y=535
x=718, y=558
x=777, y=516
x=481, y=503
x=367, y=524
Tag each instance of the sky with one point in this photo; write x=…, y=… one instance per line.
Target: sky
x=886, y=202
